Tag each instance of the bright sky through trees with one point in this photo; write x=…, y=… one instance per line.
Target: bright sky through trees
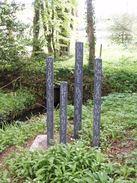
x=106, y=7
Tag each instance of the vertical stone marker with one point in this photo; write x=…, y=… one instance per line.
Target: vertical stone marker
x=100, y=53
x=78, y=89
x=63, y=112
x=97, y=101
x=50, y=100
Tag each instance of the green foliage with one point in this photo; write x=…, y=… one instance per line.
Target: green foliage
x=118, y=76
x=55, y=19
x=11, y=33
x=14, y=103
x=118, y=114
x=121, y=76
x=19, y=132
x=71, y=163
x=76, y=162
x=35, y=71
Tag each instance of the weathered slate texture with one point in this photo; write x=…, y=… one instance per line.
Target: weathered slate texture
x=50, y=100
x=97, y=101
x=78, y=90
x=63, y=112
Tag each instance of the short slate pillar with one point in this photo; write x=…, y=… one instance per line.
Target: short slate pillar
x=97, y=101
x=50, y=100
x=63, y=112
x=78, y=89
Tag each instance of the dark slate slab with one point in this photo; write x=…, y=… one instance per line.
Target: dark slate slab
x=97, y=101
x=78, y=88
x=63, y=112
x=50, y=100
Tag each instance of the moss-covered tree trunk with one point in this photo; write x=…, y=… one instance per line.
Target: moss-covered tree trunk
x=36, y=29
x=48, y=32
x=91, y=33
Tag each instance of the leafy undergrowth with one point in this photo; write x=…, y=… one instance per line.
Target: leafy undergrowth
x=14, y=103
x=78, y=162
x=19, y=132
x=118, y=116
x=119, y=76
x=70, y=163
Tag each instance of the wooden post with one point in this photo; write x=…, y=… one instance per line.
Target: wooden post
x=97, y=101
x=50, y=100
x=78, y=88
x=63, y=112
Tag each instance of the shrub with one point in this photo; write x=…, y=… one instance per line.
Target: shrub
x=14, y=103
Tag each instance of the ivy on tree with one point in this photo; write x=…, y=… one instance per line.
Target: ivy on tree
x=53, y=22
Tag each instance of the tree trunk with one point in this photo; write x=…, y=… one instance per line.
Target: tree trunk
x=36, y=29
x=90, y=33
x=52, y=32
x=49, y=42
x=48, y=37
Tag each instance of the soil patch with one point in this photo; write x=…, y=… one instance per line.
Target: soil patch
x=13, y=149
x=119, y=149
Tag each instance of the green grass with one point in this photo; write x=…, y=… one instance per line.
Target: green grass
x=14, y=103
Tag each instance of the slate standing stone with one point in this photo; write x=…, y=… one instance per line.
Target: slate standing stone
x=100, y=54
x=78, y=88
x=50, y=100
x=63, y=112
x=97, y=102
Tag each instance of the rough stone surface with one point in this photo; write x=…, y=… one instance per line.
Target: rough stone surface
x=97, y=102
x=63, y=112
x=50, y=99
x=40, y=143
x=78, y=89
